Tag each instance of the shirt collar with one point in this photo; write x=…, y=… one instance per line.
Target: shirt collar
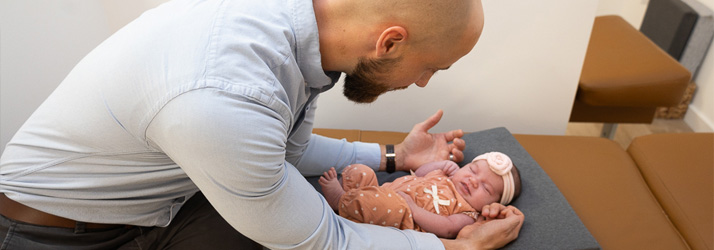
x=308, y=47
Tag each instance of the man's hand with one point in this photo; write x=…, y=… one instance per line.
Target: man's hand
x=489, y=233
x=420, y=147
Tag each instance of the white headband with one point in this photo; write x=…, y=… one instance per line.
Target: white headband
x=501, y=165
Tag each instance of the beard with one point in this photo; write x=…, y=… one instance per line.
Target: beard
x=364, y=84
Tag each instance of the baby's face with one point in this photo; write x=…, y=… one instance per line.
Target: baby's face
x=478, y=184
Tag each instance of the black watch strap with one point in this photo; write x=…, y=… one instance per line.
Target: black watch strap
x=391, y=166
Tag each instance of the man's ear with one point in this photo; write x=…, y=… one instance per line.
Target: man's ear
x=390, y=39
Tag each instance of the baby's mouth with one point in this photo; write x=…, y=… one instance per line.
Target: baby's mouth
x=465, y=188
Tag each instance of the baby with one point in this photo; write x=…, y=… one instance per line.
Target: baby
x=439, y=197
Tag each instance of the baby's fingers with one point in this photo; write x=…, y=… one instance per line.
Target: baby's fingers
x=492, y=210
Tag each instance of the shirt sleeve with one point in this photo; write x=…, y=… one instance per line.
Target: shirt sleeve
x=313, y=154
x=233, y=147
x=323, y=153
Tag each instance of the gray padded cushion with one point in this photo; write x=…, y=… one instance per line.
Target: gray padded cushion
x=700, y=39
x=550, y=222
x=668, y=23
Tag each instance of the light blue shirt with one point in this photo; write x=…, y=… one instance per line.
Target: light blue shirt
x=216, y=96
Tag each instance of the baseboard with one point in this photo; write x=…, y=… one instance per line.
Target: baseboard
x=697, y=121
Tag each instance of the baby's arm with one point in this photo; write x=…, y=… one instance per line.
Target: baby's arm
x=448, y=167
x=442, y=226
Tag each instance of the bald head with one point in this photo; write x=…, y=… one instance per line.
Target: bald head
x=353, y=28
x=429, y=21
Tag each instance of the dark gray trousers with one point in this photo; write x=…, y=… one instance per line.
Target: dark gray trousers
x=196, y=226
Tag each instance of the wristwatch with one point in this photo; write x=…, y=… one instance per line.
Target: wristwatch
x=391, y=166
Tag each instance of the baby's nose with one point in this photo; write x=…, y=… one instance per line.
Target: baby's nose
x=474, y=182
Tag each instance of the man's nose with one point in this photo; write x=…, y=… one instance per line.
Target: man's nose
x=424, y=80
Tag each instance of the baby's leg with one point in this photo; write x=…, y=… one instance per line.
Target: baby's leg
x=331, y=188
x=357, y=176
x=376, y=205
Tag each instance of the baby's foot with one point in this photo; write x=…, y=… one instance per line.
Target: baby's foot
x=331, y=188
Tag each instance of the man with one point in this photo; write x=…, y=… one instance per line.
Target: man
x=216, y=99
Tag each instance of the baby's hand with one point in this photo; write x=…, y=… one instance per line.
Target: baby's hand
x=450, y=168
x=495, y=211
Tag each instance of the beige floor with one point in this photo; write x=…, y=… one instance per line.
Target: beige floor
x=626, y=132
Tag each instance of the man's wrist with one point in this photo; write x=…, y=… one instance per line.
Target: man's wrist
x=399, y=160
x=390, y=156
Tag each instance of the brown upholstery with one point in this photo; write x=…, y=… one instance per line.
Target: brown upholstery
x=656, y=195
x=681, y=177
x=585, y=113
x=383, y=137
x=604, y=187
x=625, y=76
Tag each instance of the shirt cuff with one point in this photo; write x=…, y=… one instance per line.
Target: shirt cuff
x=368, y=154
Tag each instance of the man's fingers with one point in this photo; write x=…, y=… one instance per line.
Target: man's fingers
x=453, y=135
x=429, y=122
x=515, y=218
x=493, y=233
x=512, y=210
x=519, y=218
x=456, y=149
x=458, y=155
x=514, y=226
x=459, y=143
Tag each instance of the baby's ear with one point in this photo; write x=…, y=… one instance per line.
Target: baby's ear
x=517, y=182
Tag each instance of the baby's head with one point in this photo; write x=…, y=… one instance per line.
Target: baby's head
x=489, y=178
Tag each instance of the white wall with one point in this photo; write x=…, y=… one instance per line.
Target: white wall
x=522, y=74
x=700, y=115
x=40, y=41
x=633, y=11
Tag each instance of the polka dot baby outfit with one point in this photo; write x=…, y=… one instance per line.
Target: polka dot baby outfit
x=366, y=202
